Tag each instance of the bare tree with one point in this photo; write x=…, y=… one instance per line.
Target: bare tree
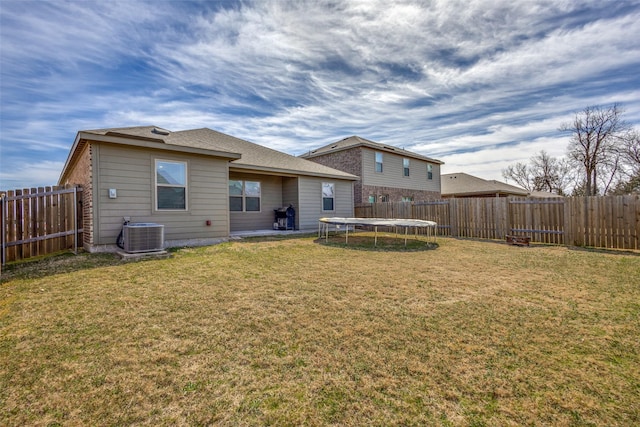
x=630, y=159
x=521, y=174
x=544, y=173
x=631, y=150
x=550, y=174
x=597, y=136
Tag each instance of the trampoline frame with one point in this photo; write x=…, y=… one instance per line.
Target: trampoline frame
x=325, y=223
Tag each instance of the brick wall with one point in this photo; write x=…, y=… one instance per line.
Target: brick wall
x=349, y=161
x=396, y=194
x=81, y=174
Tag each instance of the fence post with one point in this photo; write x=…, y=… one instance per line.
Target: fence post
x=504, y=209
x=75, y=220
x=3, y=237
x=453, y=217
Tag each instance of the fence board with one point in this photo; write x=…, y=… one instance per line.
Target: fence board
x=607, y=222
x=39, y=221
x=628, y=222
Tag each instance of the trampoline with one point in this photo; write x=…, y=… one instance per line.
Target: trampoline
x=325, y=223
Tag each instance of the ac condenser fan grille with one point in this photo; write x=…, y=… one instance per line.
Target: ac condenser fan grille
x=143, y=237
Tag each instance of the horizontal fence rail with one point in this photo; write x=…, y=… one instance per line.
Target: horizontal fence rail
x=601, y=221
x=39, y=221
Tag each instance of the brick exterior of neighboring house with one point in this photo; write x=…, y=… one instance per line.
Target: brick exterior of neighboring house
x=396, y=194
x=350, y=160
x=347, y=161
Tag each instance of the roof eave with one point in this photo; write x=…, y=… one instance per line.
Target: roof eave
x=131, y=141
x=152, y=143
x=74, y=148
x=289, y=172
x=488, y=193
x=398, y=151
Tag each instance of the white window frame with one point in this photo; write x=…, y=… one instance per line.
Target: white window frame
x=406, y=167
x=244, y=196
x=184, y=186
x=429, y=172
x=376, y=162
x=331, y=185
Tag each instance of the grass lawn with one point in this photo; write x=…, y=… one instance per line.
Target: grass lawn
x=297, y=332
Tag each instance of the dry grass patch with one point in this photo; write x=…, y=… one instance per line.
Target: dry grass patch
x=296, y=332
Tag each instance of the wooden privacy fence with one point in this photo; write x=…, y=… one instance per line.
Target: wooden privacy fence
x=40, y=221
x=604, y=222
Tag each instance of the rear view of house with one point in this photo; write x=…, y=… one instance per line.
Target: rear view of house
x=387, y=173
x=202, y=185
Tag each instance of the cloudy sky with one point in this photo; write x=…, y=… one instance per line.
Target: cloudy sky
x=477, y=84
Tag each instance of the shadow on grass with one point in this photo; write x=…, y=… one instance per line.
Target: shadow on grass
x=64, y=262
x=534, y=245
x=383, y=244
x=604, y=251
x=275, y=237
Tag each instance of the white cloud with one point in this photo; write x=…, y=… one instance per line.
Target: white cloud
x=463, y=80
x=40, y=174
x=489, y=162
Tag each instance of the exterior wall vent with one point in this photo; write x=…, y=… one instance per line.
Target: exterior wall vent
x=161, y=131
x=143, y=237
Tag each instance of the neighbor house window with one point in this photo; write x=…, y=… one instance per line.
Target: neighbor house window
x=244, y=196
x=407, y=198
x=378, y=162
x=429, y=171
x=383, y=198
x=171, y=185
x=405, y=167
x=372, y=199
x=328, y=196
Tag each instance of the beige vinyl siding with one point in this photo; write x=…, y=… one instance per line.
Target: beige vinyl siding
x=270, y=199
x=434, y=184
x=311, y=201
x=392, y=172
x=131, y=171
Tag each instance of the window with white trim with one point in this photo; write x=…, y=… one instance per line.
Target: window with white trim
x=429, y=171
x=378, y=161
x=171, y=185
x=244, y=196
x=328, y=196
x=405, y=167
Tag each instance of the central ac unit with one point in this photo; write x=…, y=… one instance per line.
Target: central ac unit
x=143, y=237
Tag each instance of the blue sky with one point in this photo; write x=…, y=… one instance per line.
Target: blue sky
x=476, y=84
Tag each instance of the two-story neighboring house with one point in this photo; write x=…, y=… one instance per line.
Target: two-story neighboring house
x=387, y=173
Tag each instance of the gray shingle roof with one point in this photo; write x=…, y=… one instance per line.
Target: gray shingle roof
x=463, y=184
x=357, y=141
x=253, y=156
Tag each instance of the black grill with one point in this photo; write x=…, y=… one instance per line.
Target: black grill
x=285, y=218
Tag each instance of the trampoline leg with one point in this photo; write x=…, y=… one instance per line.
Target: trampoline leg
x=375, y=236
x=406, y=230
